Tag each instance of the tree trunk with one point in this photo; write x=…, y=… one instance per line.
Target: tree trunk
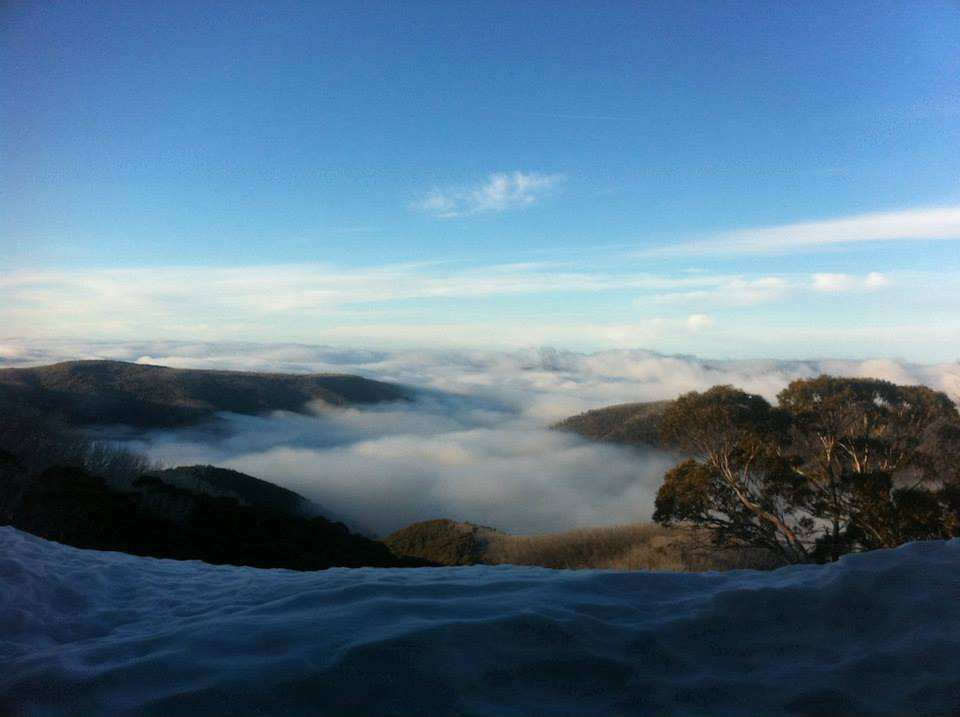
x=835, y=551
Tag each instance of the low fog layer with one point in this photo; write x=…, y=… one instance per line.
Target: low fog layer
x=476, y=444
x=442, y=456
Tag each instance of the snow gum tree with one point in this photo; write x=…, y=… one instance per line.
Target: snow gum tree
x=737, y=483
x=872, y=454
x=840, y=464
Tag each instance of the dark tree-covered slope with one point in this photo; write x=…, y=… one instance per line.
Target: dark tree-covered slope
x=246, y=489
x=115, y=392
x=158, y=519
x=629, y=423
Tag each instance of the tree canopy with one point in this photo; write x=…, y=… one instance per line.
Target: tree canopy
x=838, y=465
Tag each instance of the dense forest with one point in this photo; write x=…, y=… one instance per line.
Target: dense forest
x=59, y=484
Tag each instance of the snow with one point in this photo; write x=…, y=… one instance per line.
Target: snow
x=97, y=633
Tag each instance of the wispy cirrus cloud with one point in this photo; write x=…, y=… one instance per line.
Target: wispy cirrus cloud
x=846, y=282
x=504, y=305
x=740, y=291
x=299, y=301
x=306, y=289
x=913, y=224
x=501, y=191
x=733, y=292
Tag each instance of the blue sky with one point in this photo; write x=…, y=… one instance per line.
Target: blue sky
x=727, y=179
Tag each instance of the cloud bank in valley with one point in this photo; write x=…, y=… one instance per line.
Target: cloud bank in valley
x=457, y=457
x=475, y=445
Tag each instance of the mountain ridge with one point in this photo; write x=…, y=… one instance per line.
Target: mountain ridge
x=146, y=396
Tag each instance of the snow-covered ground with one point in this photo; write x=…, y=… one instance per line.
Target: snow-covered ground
x=95, y=633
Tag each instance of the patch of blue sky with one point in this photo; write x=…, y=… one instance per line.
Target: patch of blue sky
x=458, y=137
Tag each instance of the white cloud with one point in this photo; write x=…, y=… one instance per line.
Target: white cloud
x=764, y=290
x=698, y=322
x=187, y=299
x=846, y=282
x=304, y=285
x=927, y=223
x=288, y=301
x=734, y=292
x=501, y=191
x=445, y=305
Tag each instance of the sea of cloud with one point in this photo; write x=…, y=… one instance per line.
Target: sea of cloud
x=475, y=444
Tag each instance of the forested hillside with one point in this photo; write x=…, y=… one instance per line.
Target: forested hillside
x=629, y=423
x=116, y=392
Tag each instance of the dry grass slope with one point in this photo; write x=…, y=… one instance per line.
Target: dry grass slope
x=644, y=546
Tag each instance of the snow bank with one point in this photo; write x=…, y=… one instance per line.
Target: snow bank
x=95, y=633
